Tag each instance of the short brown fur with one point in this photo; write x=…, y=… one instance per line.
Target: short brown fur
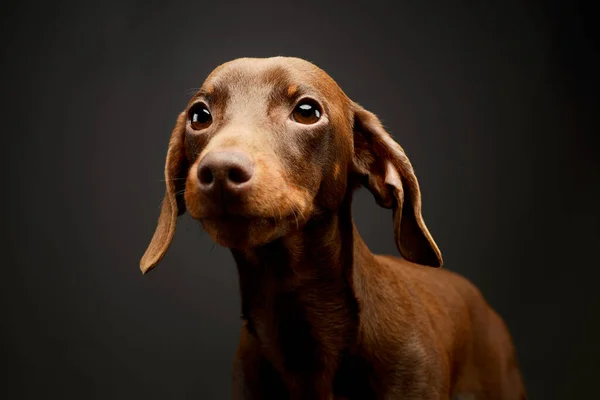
x=323, y=317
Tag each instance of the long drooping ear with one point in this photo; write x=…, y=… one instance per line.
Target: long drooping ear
x=386, y=171
x=173, y=203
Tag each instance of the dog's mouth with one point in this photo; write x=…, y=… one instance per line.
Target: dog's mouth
x=246, y=231
x=226, y=219
x=250, y=220
x=237, y=219
x=237, y=213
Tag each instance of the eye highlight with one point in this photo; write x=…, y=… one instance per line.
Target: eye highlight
x=307, y=112
x=200, y=117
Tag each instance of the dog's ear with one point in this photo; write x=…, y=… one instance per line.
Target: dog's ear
x=173, y=205
x=384, y=168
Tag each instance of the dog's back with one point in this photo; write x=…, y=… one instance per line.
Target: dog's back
x=452, y=322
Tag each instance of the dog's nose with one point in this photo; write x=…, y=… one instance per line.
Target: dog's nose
x=229, y=171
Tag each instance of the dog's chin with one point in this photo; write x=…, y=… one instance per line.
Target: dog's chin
x=243, y=233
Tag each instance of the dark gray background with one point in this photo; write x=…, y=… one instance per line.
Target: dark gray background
x=494, y=103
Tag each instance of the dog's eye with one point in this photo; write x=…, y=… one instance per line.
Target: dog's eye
x=200, y=117
x=306, y=112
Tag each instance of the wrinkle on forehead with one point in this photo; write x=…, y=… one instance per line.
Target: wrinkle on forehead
x=274, y=71
x=254, y=86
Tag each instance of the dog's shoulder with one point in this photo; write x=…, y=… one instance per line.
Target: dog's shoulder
x=442, y=298
x=436, y=280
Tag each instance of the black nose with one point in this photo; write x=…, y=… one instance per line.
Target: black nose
x=229, y=171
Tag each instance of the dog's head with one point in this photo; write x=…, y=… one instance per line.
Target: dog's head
x=267, y=144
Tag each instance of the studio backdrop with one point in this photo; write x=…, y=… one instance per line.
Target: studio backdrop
x=492, y=101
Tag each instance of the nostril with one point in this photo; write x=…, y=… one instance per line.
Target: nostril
x=205, y=176
x=239, y=175
x=224, y=169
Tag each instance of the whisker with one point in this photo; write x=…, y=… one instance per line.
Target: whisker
x=296, y=186
x=275, y=208
x=295, y=211
x=295, y=217
x=279, y=211
x=173, y=179
x=191, y=91
x=301, y=213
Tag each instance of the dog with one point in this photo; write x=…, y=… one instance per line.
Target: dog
x=266, y=156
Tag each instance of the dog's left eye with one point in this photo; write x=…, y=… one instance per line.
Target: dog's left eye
x=306, y=112
x=200, y=117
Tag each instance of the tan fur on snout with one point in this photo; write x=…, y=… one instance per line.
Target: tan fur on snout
x=323, y=317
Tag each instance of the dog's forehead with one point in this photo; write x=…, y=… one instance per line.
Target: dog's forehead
x=268, y=74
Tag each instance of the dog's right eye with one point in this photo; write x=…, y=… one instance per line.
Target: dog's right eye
x=200, y=117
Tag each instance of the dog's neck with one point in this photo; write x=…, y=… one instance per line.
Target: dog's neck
x=297, y=295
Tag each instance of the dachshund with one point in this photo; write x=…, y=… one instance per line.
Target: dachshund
x=266, y=156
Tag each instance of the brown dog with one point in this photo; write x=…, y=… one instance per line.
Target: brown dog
x=266, y=156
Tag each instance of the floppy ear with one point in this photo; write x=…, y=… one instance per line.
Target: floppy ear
x=173, y=204
x=386, y=171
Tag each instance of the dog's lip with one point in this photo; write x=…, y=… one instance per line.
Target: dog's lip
x=239, y=219
x=225, y=217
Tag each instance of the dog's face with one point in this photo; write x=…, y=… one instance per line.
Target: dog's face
x=267, y=144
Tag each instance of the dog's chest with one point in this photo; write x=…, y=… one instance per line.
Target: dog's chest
x=283, y=329
x=297, y=349
x=301, y=329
